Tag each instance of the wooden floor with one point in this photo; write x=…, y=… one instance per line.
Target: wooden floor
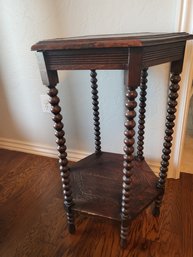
x=33, y=224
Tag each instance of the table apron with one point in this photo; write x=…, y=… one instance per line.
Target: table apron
x=111, y=59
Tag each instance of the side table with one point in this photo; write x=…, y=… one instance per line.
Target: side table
x=97, y=185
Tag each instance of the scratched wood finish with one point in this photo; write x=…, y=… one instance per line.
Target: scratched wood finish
x=30, y=188
x=111, y=40
x=98, y=179
x=111, y=51
x=111, y=58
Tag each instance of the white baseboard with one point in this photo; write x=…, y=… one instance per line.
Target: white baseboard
x=155, y=166
x=44, y=150
x=73, y=155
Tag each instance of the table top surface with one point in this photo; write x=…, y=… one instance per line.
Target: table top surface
x=111, y=40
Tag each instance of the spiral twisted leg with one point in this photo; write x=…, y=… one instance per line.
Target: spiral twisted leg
x=63, y=162
x=142, y=105
x=170, y=118
x=127, y=163
x=96, y=118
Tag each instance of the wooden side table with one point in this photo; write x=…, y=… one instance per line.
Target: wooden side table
x=96, y=184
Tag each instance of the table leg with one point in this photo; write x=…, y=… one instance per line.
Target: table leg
x=96, y=117
x=132, y=81
x=127, y=164
x=50, y=79
x=175, y=78
x=63, y=162
x=141, y=122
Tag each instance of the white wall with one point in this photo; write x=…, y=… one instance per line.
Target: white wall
x=25, y=22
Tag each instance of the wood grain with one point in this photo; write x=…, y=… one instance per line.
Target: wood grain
x=69, y=59
x=110, y=51
x=114, y=57
x=111, y=58
x=98, y=179
x=33, y=222
x=164, y=53
x=109, y=41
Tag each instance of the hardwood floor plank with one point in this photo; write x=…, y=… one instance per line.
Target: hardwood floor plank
x=171, y=205
x=187, y=214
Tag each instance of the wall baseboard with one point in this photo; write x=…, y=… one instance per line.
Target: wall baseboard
x=43, y=150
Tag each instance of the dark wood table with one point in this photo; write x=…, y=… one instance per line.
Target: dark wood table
x=97, y=185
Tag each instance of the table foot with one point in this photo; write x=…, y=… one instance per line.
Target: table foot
x=123, y=243
x=156, y=211
x=71, y=228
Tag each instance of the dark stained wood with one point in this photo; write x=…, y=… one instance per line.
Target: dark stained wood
x=110, y=41
x=141, y=121
x=48, y=77
x=152, y=55
x=132, y=81
x=112, y=58
x=111, y=52
x=33, y=223
x=132, y=53
x=129, y=141
x=96, y=117
x=176, y=68
x=62, y=155
x=98, y=179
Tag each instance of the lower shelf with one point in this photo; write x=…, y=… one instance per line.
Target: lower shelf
x=97, y=186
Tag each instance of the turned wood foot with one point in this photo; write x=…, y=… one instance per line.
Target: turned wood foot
x=156, y=211
x=71, y=228
x=123, y=243
x=157, y=205
x=125, y=226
